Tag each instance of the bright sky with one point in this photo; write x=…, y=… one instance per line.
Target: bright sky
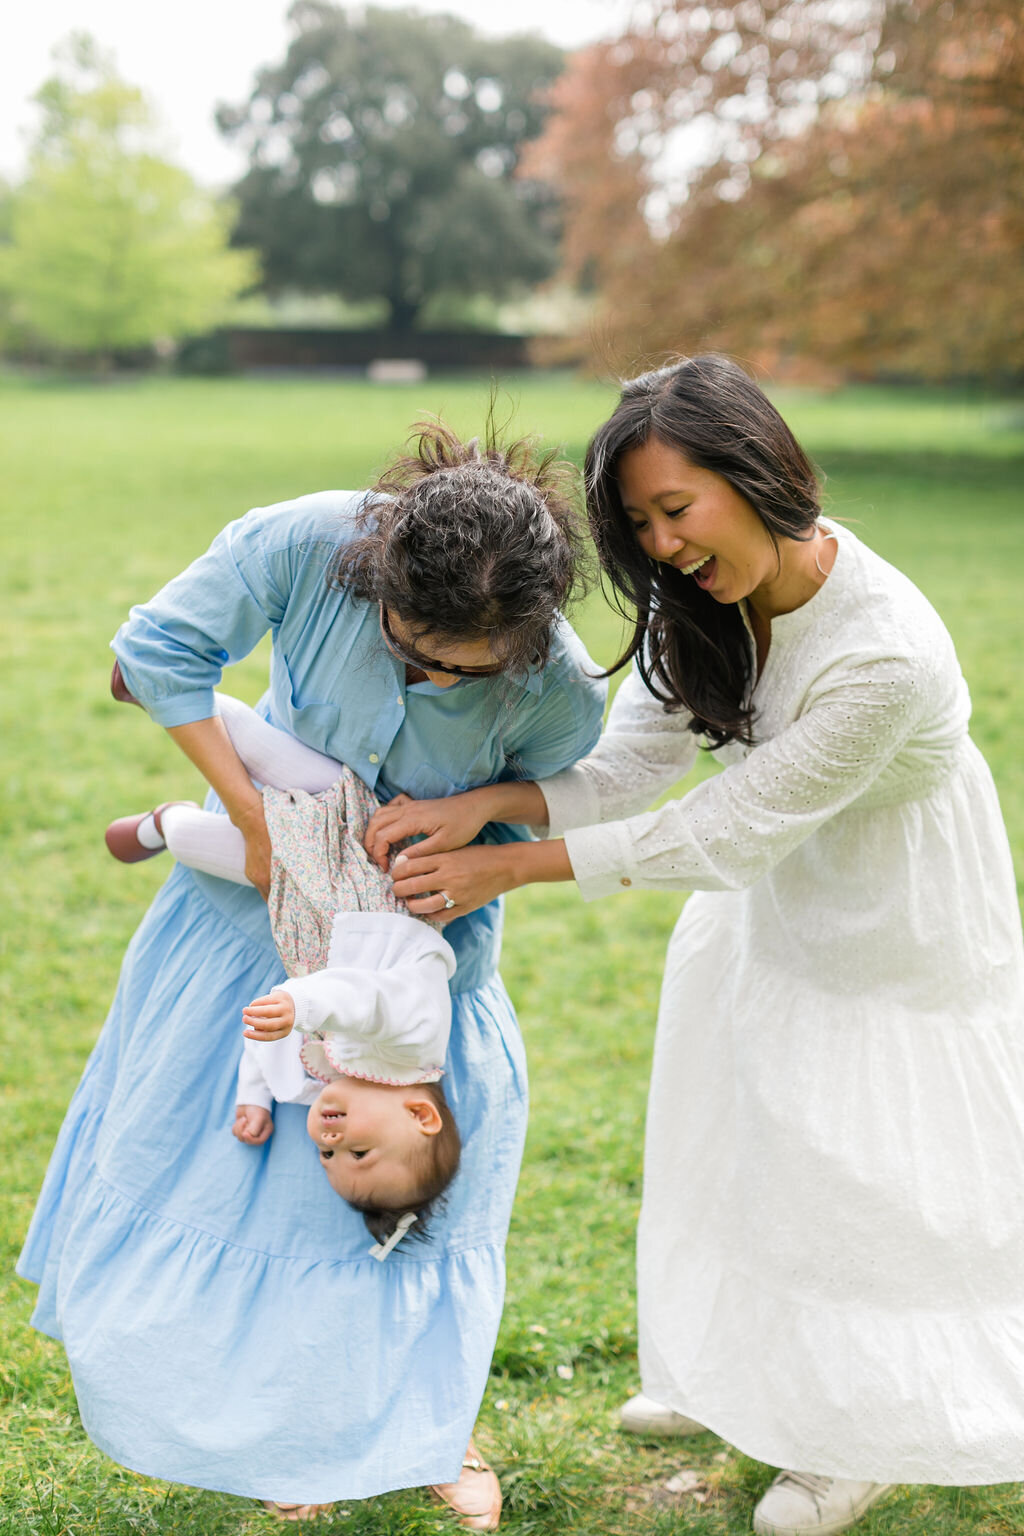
x=199, y=52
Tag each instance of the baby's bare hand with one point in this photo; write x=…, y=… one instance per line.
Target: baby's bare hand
x=269, y=1018
x=253, y=1124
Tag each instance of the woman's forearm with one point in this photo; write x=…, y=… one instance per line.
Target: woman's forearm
x=207, y=744
x=537, y=863
x=520, y=804
x=451, y=884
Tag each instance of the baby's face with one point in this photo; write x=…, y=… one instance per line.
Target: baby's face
x=370, y=1138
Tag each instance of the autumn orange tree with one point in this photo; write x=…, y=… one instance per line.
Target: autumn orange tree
x=791, y=180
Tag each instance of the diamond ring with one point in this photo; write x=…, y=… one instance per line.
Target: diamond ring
x=448, y=903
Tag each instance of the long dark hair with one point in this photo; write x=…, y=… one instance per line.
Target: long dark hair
x=693, y=652
x=471, y=541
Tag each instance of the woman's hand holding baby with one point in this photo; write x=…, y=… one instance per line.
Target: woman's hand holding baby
x=270, y=1017
x=207, y=744
x=452, y=822
x=443, y=824
x=448, y=885
x=252, y=824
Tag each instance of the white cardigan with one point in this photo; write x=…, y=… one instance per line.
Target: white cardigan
x=380, y=1010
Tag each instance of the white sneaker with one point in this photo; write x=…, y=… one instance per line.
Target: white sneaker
x=798, y=1503
x=643, y=1416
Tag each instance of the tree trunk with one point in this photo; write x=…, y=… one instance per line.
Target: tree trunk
x=403, y=314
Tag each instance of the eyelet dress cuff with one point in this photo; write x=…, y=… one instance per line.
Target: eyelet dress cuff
x=572, y=801
x=603, y=859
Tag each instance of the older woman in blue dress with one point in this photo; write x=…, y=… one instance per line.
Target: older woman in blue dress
x=202, y=1292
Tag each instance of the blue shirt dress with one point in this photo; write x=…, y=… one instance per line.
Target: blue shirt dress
x=223, y=1319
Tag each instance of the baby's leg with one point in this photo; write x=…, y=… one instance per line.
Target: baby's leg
x=273, y=756
x=204, y=841
x=212, y=844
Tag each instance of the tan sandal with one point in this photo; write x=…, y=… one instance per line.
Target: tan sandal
x=476, y=1496
x=295, y=1512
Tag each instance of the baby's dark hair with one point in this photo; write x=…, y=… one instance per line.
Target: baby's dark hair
x=470, y=541
x=436, y=1166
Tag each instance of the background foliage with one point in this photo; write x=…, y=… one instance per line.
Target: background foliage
x=791, y=179
x=383, y=155
x=107, y=245
x=831, y=190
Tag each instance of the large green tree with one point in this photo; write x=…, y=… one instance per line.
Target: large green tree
x=108, y=245
x=384, y=152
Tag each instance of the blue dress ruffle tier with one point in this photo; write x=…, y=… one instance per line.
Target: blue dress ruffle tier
x=222, y=1316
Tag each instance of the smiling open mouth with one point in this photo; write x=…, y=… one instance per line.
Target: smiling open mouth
x=703, y=571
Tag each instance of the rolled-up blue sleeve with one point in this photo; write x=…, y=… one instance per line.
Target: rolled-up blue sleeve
x=564, y=725
x=173, y=649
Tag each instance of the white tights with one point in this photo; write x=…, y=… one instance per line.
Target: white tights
x=211, y=843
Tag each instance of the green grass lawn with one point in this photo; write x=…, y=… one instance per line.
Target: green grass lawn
x=108, y=491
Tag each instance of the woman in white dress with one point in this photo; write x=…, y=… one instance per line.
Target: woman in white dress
x=831, y=1246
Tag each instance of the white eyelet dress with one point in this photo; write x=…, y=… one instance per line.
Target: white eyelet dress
x=831, y=1246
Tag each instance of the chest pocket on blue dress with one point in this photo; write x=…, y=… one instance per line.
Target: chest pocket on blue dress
x=312, y=720
x=429, y=783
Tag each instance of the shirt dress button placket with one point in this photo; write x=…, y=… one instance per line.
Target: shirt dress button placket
x=382, y=733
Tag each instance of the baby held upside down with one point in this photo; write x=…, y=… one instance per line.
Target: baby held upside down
x=361, y=1039
x=352, y=1042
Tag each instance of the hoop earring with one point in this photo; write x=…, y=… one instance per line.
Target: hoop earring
x=816, y=560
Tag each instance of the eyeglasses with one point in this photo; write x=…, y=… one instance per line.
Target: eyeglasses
x=427, y=663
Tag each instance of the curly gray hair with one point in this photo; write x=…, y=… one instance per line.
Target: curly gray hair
x=463, y=541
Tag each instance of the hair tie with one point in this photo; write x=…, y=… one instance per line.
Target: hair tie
x=380, y=1251
x=824, y=539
